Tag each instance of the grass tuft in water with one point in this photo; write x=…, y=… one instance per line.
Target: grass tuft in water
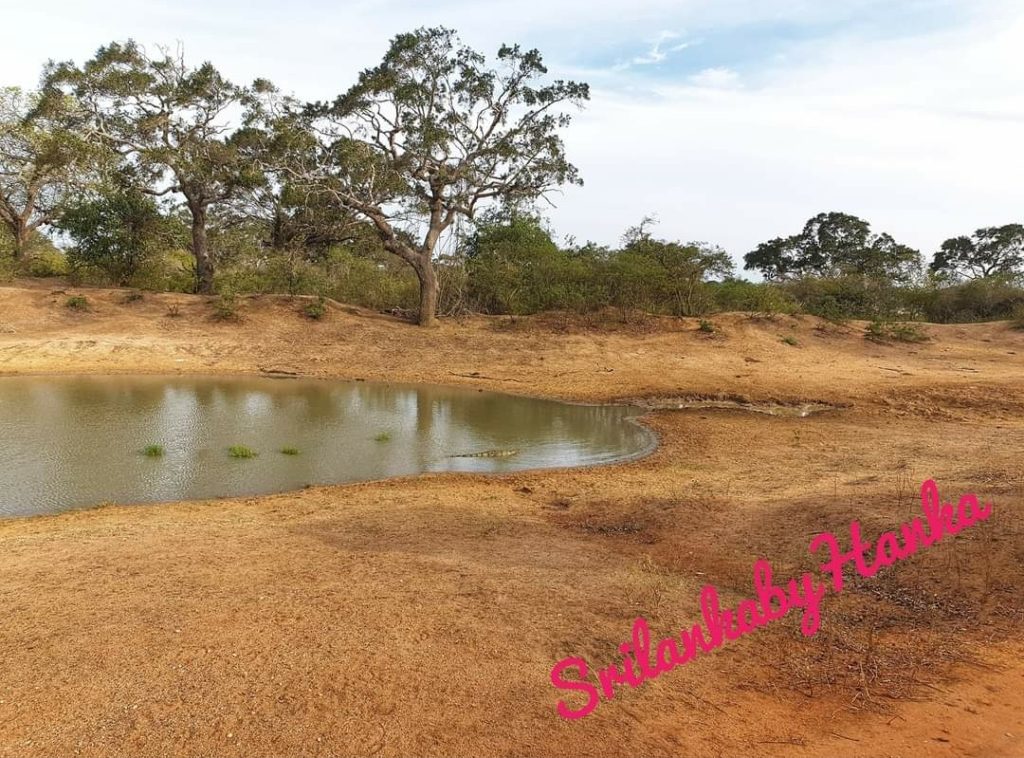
x=241, y=451
x=383, y=437
x=153, y=451
x=289, y=451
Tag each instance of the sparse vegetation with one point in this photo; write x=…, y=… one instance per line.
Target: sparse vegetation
x=383, y=437
x=881, y=331
x=133, y=296
x=315, y=310
x=241, y=451
x=706, y=327
x=173, y=311
x=1017, y=322
x=225, y=308
x=791, y=340
x=288, y=450
x=77, y=303
x=153, y=451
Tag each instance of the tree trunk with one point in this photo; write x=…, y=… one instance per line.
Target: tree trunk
x=20, y=234
x=428, y=291
x=204, y=265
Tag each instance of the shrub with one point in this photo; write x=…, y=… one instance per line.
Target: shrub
x=981, y=300
x=1017, y=322
x=790, y=340
x=173, y=311
x=315, y=310
x=45, y=263
x=753, y=297
x=382, y=437
x=706, y=327
x=880, y=331
x=153, y=451
x=77, y=303
x=241, y=451
x=225, y=308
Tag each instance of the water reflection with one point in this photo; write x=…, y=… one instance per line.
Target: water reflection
x=75, y=441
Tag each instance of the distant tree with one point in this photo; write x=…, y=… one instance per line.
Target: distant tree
x=992, y=251
x=43, y=162
x=433, y=134
x=117, y=229
x=171, y=122
x=836, y=244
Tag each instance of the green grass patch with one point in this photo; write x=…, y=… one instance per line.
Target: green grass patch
x=790, y=340
x=241, y=451
x=153, y=451
x=77, y=303
x=706, y=327
x=289, y=451
x=383, y=437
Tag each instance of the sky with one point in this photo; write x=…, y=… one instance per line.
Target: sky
x=731, y=121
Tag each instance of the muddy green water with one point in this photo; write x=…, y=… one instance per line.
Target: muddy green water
x=69, y=442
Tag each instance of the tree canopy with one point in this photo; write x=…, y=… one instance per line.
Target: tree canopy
x=991, y=251
x=836, y=244
x=434, y=133
x=170, y=122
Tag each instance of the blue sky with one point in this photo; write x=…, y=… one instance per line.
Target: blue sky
x=733, y=121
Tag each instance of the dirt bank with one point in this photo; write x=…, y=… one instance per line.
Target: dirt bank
x=423, y=616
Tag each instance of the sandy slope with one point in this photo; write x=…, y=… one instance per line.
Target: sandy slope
x=422, y=616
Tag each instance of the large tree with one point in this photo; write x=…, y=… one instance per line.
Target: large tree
x=836, y=244
x=44, y=160
x=992, y=251
x=172, y=122
x=434, y=133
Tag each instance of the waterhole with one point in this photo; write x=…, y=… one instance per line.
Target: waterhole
x=69, y=442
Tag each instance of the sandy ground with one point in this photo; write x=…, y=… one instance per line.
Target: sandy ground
x=422, y=616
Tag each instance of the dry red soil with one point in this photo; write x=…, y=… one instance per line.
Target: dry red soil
x=422, y=616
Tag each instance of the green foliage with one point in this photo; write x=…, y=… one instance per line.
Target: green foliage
x=315, y=310
x=881, y=331
x=1017, y=320
x=225, y=308
x=985, y=299
x=766, y=298
x=166, y=119
x=44, y=160
x=77, y=303
x=289, y=450
x=116, y=231
x=241, y=451
x=153, y=451
x=382, y=437
x=996, y=251
x=790, y=340
x=836, y=245
x=706, y=327
x=44, y=261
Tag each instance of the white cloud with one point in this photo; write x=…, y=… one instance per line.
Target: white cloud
x=716, y=77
